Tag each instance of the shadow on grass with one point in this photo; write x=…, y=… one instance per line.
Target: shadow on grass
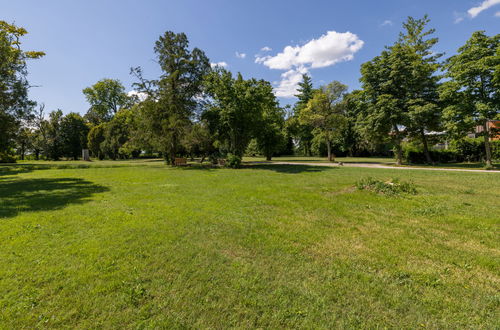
x=30, y=195
x=292, y=169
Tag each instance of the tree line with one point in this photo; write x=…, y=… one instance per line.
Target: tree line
x=196, y=110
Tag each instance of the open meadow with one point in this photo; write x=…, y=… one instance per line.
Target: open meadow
x=137, y=244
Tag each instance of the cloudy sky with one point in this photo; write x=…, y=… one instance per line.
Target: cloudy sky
x=277, y=40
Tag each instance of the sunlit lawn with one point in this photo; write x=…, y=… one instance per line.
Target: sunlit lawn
x=141, y=245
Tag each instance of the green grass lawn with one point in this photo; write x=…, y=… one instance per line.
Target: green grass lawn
x=141, y=245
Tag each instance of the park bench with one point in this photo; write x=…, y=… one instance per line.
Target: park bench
x=222, y=162
x=180, y=162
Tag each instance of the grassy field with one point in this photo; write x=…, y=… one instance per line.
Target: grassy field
x=141, y=245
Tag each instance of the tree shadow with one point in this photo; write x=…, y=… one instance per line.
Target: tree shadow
x=31, y=195
x=291, y=169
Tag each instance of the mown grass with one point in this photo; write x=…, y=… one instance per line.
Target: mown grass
x=142, y=245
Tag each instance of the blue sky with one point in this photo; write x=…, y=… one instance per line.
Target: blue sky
x=93, y=39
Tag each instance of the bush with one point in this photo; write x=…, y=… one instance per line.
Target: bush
x=7, y=158
x=472, y=150
x=233, y=161
x=412, y=155
x=392, y=187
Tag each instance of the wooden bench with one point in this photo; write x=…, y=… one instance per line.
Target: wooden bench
x=180, y=162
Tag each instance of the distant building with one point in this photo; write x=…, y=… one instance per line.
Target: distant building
x=493, y=126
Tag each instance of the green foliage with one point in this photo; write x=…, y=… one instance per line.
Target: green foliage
x=73, y=135
x=400, y=87
x=270, y=134
x=413, y=155
x=252, y=148
x=233, y=161
x=113, y=139
x=199, y=142
x=473, y=150
x=15, y=105
x=472, y=93
x=172, y=99
x=241, y=110
x=95, y=138
x=392, y=187
x=326, y=113
x=53, y=147
x=302, y=133
x=106, y=97
x=7, y=157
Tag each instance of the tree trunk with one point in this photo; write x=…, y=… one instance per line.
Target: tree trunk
x=487, y=146
x=426, y=147
x=399, y=148
x=23, y=151
x=399, y=153
x=268, y=157
x=331, y=156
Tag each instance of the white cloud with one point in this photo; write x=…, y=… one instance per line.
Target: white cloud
x=240, y=55
x=497, y=14
x=221, y=64
x=474, y=11
x=329, y=49
x=458, y=17
x=266, y=49
x=140, y=95
x=290, y=80
x=387, y=23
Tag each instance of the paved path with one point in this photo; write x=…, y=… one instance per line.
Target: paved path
x=374, y=165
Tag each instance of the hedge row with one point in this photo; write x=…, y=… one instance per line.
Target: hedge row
x=466, y=150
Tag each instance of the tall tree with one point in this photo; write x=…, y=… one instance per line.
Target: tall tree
x=269, y=134
x=73, y=135
x=350, y=138
x=175, y=96
x=105, y=97
x=424, y=111
x=472, y=91
x=53, y=145
x=236, y=109
x=394, y=86
x=14, y=102
x=326, y=113
x=400, y=88
x=302, y=132
x=38, y=137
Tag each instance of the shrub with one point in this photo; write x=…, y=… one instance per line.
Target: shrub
x=7, y=158
x=412, y=155
x=472, y=150
x=392, y=187
x=233, y=161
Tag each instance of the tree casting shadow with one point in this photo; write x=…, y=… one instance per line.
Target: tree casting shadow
x=30, y=195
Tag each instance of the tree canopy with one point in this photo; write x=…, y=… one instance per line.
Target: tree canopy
x=15, y=106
